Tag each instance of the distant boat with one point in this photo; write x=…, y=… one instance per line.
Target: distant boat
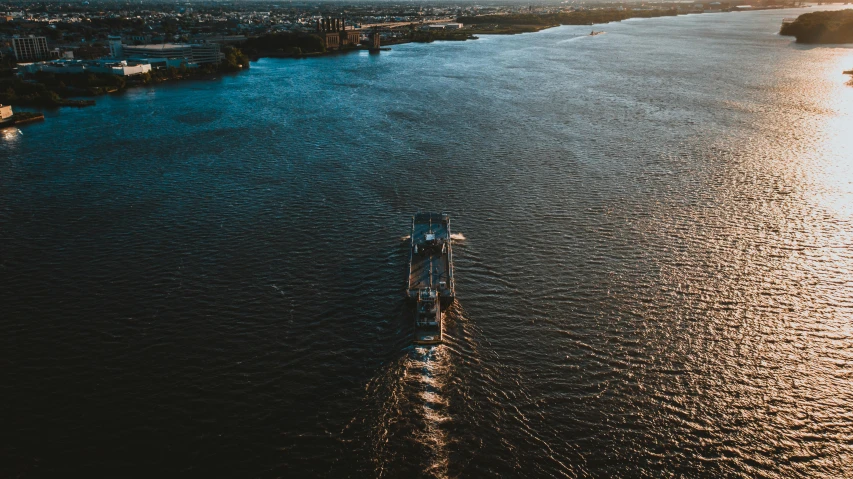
x=594, y=33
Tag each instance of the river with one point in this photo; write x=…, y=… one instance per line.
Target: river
x=655, y=280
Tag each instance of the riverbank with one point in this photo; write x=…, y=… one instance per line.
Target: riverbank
x=302, y=45
x=484, y=29
x=52, y=90
x=22, y=117
x=531, y=22
x=829, y=27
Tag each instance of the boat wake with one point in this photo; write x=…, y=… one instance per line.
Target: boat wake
x=429, y=366
x=412, y=414
x=409, y=404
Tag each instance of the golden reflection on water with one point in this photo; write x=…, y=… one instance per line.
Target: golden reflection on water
x=10, y=136
x=414, y=405
x=805, y=344
x=431, y=365
x=838, y=151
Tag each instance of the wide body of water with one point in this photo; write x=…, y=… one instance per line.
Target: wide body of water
x=206, y=279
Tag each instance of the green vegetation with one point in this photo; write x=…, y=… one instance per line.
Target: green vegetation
x=80, y=84
x=26, y=117
x=14, y=91
x=533, y=22
x=283, y=44
x=51, y=90
x=234, y=60
x=821, y=27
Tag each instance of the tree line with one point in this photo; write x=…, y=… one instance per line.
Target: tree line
x=821, y=27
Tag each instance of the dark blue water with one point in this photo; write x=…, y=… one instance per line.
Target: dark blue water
x=656, y=275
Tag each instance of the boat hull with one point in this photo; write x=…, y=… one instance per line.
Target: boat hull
x=431, y=285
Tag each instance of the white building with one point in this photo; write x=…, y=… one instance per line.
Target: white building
x=442, y=26
x=5, y=112
x=59, y=67
x=30, y=48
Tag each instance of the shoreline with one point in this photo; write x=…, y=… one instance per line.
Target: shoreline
x=22, y=118
x=503, y=25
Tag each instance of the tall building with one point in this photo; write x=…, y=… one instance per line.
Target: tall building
x=30, y=48
x=115, y=47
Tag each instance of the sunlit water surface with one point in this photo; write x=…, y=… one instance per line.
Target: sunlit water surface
x=657, y=276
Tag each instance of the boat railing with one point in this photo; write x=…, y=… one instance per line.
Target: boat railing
x=411, y=255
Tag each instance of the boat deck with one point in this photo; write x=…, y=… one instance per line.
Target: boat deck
x=429, y=270
x=430, y=275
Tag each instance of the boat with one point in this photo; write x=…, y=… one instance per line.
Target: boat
x=594, y=33
x=431, y=287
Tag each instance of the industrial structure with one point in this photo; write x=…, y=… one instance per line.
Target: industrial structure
x=375, y=41
x=335, y=35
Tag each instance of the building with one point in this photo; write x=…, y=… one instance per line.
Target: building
x=59, y=67
x=442, y=26
x=335, y=35
x=189, y=53
x=57, y=53
x=30, y=48
x=332, y=40
x=352, y=37
x=5, y=112
x=115, y=47
x=375, y=41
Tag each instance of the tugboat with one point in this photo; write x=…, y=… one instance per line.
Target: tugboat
x=431, y=285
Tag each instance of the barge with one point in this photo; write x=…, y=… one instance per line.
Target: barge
x=431, y=286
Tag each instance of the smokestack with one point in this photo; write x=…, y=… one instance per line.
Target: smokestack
x=318, y=25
